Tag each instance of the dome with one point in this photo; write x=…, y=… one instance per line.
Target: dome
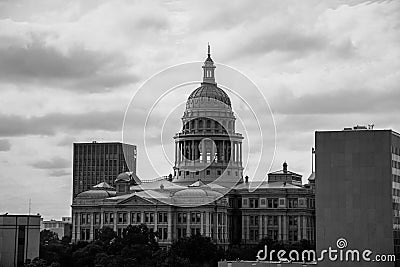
x=128, y=177
x=197, y=192
x=125, y=176
x=190, y=193
x=95, y=194
x=212, y=91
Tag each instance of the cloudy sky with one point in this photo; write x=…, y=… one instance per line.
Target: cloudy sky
x=68, y=70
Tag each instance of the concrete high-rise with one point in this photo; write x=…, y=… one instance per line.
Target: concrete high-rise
x=19, y=239
x=358, y=192
x=95, y=162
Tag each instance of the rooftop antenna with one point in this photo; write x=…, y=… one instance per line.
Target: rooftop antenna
x=30, y=204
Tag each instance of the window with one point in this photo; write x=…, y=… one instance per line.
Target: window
x=272, y=220
x=149, y=217
x=162, y=233
x=218, y=172
x=182, y=232
x=263, y=202
x=197, y=172
x=97, y=218
x=195, y=217
x=162, y=217
x=292, y=220
x=254, y=220
x=182, y=217
x=83, y=218
x=293, y=235
x=208, y=172
x=135, y=217
x=272, y=203
x=122, y=217
x=253, y=202
x=254, y=234
x=293, y=202
x=106, y=218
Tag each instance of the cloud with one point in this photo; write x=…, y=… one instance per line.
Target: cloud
x=5, y=145
x=54, y=163
x=344, y=101
x=78, y=68
x=58, y=173
x=50, y=124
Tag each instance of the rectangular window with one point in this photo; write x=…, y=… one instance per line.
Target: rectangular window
x=253, y=202
x=293, y=202
x=97, y=218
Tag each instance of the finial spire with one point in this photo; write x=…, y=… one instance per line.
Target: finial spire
x=209, y=50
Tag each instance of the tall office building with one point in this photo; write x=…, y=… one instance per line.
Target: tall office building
x=95, y=162
x=19, y=239
x=358, y=192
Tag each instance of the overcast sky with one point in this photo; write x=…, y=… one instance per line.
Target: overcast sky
x=68, y=70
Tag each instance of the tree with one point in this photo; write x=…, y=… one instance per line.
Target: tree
x=196, y=250
x=47, y=236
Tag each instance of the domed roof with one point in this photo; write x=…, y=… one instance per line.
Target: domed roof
x=191, y=193
x=212, y=91
x=128, y=177
x=125, y=176
x=197, y=192
x=96, y=194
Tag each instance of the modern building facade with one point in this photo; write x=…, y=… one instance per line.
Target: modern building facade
x=95, y=162
x=19, y=239
x=358, y=191
x=207, y=193
x=62, y=228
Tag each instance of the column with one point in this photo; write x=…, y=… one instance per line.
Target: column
x=223, y=151
x=128, y=218
x=188, y=224
x=101, y=219
x=202, y=223
x=232, y=157
x=91, y=226
x=78, y=215
x=142, y=217
x=155, y=221
x=241, y=154
x=115, y=221
x=203, y=151
x=243, y=227
x=285, y=236
x=217, y=226
x=304, y=227
x=207, y=223
x=260, y=227
x=299, y=222
x=169, y=225
x=74, y=226
x=279, y=227
x=176, y=152
x=265, y=225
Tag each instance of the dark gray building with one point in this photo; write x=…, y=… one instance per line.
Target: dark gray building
x=95, y=162
x=358, y=192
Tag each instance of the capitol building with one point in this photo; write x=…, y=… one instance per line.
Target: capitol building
x=207, y=193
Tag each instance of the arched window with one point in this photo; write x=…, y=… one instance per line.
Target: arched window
x=208, y=123
x=200, y=123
